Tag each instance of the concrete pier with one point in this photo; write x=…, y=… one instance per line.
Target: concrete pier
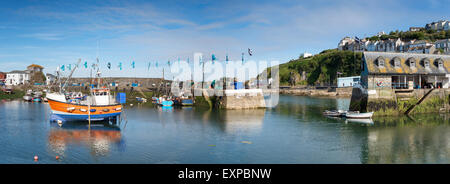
x=243, y=99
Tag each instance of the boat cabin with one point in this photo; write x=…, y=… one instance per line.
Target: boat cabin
x=102, y=96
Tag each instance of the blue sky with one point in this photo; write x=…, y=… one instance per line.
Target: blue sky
x=51, y=33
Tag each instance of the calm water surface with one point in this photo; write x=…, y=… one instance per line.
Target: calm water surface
x=293, y=132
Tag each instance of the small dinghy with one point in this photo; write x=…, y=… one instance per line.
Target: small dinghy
x=167, y=103
x=37, y=100
x=187, y=102
x=141, y=100
x=358, y=115
x=27, y=98
x=333, y=113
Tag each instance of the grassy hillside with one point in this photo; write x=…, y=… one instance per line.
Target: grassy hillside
x=321, y=68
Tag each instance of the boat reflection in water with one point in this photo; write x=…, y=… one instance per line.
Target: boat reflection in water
x=99, y=137
x=360, y=121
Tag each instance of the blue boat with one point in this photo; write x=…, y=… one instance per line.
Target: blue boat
x=167, y=103
x=187, y=102
x=37, y=100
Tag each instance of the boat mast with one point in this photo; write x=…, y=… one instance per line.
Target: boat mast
x=70, y=76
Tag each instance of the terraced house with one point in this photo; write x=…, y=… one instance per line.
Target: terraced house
x=405, y=71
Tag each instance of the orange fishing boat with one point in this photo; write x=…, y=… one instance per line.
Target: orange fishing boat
x=97, y=106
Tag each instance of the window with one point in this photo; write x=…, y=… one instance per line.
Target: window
x=426, y=63
x=412, y=62
x=396, y=62
x=439, y=63
x=380, y=62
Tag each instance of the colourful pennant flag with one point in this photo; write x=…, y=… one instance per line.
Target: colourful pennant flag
x=120, y=65
x=156, y=64
x=69, y=66
x=148, y=67
x=226, y=59
x=85, y=64
x=133, y=64
x=213, y=57
x=63, y=67
x=168, y=62
x=242, y=58
x=109, y=65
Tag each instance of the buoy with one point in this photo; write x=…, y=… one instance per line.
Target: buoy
x=59, y=122
x=36, y=158
x=57, y=157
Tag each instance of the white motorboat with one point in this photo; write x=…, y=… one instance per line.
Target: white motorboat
x=27, y=98
x=358, y=115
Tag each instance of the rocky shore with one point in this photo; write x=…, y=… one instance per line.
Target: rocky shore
x=327, y=92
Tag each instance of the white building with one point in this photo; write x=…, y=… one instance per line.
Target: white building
x=438, y=26
x=49, y=79
x=343, y=44
x=348, y=81
x=306, y=55
x=17, y=77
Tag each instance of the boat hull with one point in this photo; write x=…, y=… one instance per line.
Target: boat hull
x=75, y=112
x=82, y=117
x=359, y=116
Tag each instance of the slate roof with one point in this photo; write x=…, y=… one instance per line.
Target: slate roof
x=405, y=63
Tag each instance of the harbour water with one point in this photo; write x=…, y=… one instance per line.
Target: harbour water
x=293, y=132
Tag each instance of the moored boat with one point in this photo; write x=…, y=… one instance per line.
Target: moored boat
x=167, y=103
x=358, y=115
x=187, y=102
x=37, y=99
x=99, y=105
x=27, y=98
x=334, y=113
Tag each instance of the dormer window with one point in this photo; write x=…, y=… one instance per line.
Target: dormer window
x=380, y=62
x=396, y=62
x=426, y=63
x=439, y=63
x=412, y=62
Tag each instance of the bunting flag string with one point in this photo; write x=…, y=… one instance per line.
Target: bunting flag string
x=109, y=65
